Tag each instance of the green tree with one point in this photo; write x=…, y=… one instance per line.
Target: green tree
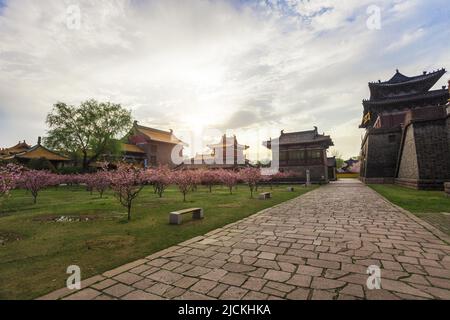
x=339, y=159
x=88, y=130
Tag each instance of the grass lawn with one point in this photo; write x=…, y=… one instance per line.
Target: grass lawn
x=431, y=206
x=37, y=249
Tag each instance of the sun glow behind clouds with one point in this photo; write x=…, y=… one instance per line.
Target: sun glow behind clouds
x=212, y=64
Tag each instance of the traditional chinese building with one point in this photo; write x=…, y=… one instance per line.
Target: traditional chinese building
x=151, y=147
x=24, y=153
x=20, y=147
x=301, y=151
x=227, y=153
x=407, y=132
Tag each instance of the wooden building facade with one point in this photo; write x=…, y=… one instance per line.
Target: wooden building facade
x=302, y=151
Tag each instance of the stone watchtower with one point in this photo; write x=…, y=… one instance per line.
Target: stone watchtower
x=406, y=139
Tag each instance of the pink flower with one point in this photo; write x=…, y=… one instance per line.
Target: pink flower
x=126, y=182
x=159, y=178
x=228, y=178
x=185, y=180
x=251, y=176
x=36, y=180
x=9, y=176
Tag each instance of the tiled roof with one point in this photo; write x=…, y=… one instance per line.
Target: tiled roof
x=131, y=148
x=158, y=135
x=229, y=143
x=409, y=98
x=18, y=148
x=400, y=79
x=301, y=137
x=39, y=151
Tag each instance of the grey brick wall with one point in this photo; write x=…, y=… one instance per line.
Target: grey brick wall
x=433, y=152
x=382, y=152
x=408, y=168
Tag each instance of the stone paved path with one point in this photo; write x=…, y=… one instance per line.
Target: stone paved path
x=317, y=246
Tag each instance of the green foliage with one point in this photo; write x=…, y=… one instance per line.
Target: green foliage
x=87, y=131
x=415, y=201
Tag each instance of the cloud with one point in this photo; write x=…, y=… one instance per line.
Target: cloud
x=226, y=64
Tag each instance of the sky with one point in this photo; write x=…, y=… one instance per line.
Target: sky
x=202, y=68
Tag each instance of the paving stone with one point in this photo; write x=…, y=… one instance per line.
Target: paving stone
x=185, y=282
x=215, y=274
x=85, y=294
x=174, y=293
x=298, y=294
x=275, y=275
x=267, y=255
x=323, y=263
x=118, y=290
x=140, y=269
x=252, y=295
x=104, y=284
x=324, y=283
x=380, y=294
x=172, y=265
x=322, y=295
x=159, y=288
x=165, y=276
x=217, y=291
x=128, y=278
x=438, y=272
x=255, y=284
x=144, y=284
x=310, y=270
x=273, y=292
x=317, y=246
x=280, y=286
x=402, y=287
x=203, y=286
x=158, y=262
x=300, y=280
x=236, y=267
x=197, y=271
x=439, y=282
x=353, y=290
x=233, y=293
x=234, y=279
x=140, y=295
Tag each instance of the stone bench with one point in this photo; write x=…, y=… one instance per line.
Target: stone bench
x=175, y=217
x=447, y=188
x=265, y=195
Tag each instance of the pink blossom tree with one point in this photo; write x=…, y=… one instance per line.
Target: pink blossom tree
x=196, y=178
x=209, y=178
x=127, y=182
x=9, y=176
x=184, y=180
x=100, y=182
x=37, y=180
x=251, y=176
x=160, y=178
x=228, y=178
